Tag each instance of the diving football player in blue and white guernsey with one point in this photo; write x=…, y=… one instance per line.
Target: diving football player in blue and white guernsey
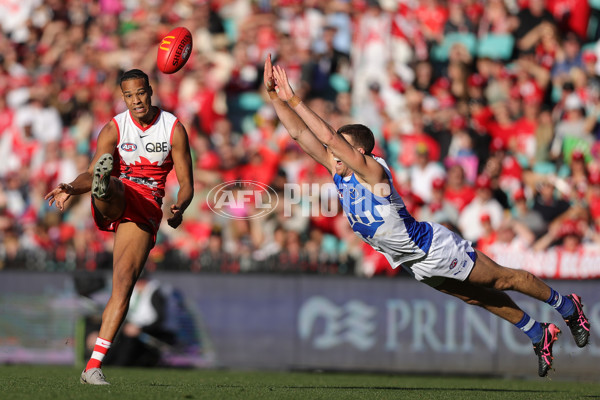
x=385, y=224
x=428, y=251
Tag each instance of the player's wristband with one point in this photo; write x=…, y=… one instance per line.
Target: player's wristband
x=272, y=94
x=294, y=101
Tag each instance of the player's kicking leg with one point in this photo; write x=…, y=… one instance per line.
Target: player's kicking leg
x=484, y=287
x=108, y=193
x=132, y=245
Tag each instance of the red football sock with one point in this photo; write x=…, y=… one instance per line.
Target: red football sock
x=100, y=350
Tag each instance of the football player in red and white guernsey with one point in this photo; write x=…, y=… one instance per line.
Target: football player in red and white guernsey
x=147, y=142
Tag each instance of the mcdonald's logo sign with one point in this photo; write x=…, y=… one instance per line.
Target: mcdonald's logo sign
x=166, y=42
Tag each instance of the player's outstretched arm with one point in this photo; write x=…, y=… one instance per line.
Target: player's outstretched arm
x=107, y=141
x=366, y=167
x=182, y=160
x=292, y=122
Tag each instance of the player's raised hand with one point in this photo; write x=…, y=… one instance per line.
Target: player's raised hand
x=282, y=85
x=59, y=195
x=268, y=78
x=176, y=218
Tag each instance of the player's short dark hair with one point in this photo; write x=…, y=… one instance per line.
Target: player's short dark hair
x=361, y=136
x=135, y=74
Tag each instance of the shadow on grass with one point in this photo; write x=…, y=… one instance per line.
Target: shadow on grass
x=400, y=389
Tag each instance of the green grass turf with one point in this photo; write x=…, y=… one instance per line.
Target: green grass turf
x=52, y=383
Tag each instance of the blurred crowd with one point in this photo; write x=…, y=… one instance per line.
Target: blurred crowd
x=487, y=112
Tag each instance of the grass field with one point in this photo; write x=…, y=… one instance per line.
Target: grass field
x=60, y=383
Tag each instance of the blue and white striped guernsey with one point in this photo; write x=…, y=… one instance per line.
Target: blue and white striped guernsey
x=383, y=222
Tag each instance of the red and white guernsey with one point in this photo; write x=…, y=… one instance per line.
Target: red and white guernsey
x=145, y=153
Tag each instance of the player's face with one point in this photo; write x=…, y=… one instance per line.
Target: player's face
x=137, y=97
x=340, y=167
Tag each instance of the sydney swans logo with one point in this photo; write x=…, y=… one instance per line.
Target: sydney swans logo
x=242, y=199
x=352, y=323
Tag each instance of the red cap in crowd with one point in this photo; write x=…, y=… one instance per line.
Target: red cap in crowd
x=438, y=183
x=570, y=227
x=531, y=92
x=446, y=102
x=476, y=80
x=589, y=56
x=458, y=122
x=483, y=182
x=519, y=195
x=497, y=145
x=577, y=155
x=511, y=167
x=442, y=83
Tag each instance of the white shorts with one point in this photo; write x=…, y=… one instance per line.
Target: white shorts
x=449, y=256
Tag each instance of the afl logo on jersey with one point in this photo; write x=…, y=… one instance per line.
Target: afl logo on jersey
x=128, y=147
